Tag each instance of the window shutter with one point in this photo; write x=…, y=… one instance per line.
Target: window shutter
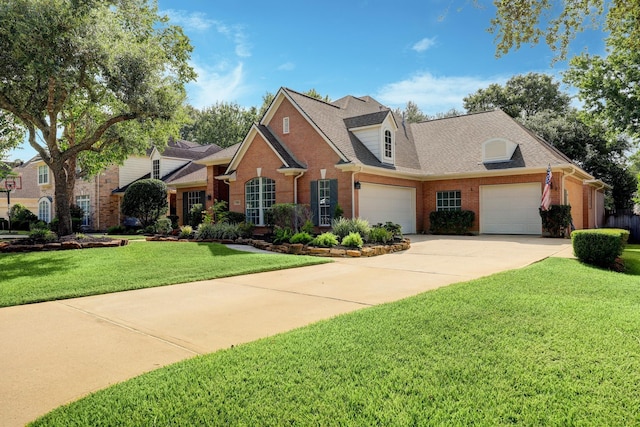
x=333, y=196
x=201, y=198
x=314, y=203
x=185, y=208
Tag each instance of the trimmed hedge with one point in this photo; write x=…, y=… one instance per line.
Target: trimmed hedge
x=451, y=222
x=599, y=247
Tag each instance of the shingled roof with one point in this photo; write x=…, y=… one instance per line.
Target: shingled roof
x=454, y=145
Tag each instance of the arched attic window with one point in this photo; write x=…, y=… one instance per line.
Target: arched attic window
x=388, y=145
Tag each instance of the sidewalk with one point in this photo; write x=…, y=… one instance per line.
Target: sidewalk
x=56, y=352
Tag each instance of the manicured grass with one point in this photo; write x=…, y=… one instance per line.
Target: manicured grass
x=556, y=343
x=631, y=258
x=44, y=276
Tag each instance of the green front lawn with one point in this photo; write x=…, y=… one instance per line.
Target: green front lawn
x=555, y=343
x=44, y=276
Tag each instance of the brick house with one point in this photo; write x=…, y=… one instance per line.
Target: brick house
x=356, y=153
x=101, y=196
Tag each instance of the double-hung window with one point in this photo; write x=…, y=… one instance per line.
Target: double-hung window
x=84, y=202
x=43, y=175
x=448, y=200
x=156, y=169
x=260, y=195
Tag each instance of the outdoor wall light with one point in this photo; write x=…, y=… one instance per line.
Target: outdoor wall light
x=356, y=185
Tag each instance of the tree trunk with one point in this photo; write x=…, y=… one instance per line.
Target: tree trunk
x=65, y=181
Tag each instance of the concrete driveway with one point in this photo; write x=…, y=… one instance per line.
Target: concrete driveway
x=56, y=352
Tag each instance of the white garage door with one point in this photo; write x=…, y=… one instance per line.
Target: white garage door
x=382, y=203
x=510, y=209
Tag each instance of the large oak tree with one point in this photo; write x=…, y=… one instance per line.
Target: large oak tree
x=92, y=81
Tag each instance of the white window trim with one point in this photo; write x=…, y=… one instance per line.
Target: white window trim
x=449, y=208
x=47, y=216
x=153, y=171
x=326, y=204
x=285, y=125
x=44, y=167
x=384, y=145
x=261, y=199
x=84, y=201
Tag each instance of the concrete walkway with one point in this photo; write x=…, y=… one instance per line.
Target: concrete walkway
x=56, y=352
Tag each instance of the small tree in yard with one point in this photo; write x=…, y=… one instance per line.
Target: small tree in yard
x=146, y=200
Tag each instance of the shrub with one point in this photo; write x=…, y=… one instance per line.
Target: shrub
x=282, y=235
x=380, y=235
x=21, y=217
x=174, y=221
x=42, y=234
x=338, y=212
x=81, y=236
x=146, y=200
x=163, y=226
x=599, y=247
x=556, y=220
x=393, y=228
x=288, y=215
x=186, y=231
x=116, y=229
x=233, y=217
x=352, y=240
x=307, y=227
x=325, y=240
x=245, y=228
x=451, y=222
x=342, y=227
x=195, y=215
x=302, y=237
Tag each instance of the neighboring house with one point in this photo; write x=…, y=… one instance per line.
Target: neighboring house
x=356, y=153
x=101, y=196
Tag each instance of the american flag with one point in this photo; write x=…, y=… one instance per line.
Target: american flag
x=545, y=202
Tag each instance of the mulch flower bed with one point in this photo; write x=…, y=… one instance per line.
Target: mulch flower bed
x=300, y=249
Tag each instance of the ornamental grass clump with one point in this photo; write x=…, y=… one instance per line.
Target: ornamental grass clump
x=217, y=231
x=186, y=232
x=342, y=227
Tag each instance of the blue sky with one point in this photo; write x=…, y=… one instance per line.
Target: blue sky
x=431, y=52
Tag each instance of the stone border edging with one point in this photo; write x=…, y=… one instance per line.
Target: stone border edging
x=300, y=249
x=7, y=247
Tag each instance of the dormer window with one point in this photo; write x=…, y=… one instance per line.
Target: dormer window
x=388, y=145
x=498, y=150
x=285, y=125
x=156, y=169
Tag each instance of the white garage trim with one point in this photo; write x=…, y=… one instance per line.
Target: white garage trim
x=510, y=208
x=382, y=203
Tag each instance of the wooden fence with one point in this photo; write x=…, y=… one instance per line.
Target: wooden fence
x=626, y=220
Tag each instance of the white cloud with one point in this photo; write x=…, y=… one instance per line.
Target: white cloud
x=424, y=44
x=198, y=21
x=434, y=94
x=287, y=66
x=216, y=84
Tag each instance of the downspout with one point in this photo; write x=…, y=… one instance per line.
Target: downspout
x=564, y=177
x=353, y=191
x=295, y=187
